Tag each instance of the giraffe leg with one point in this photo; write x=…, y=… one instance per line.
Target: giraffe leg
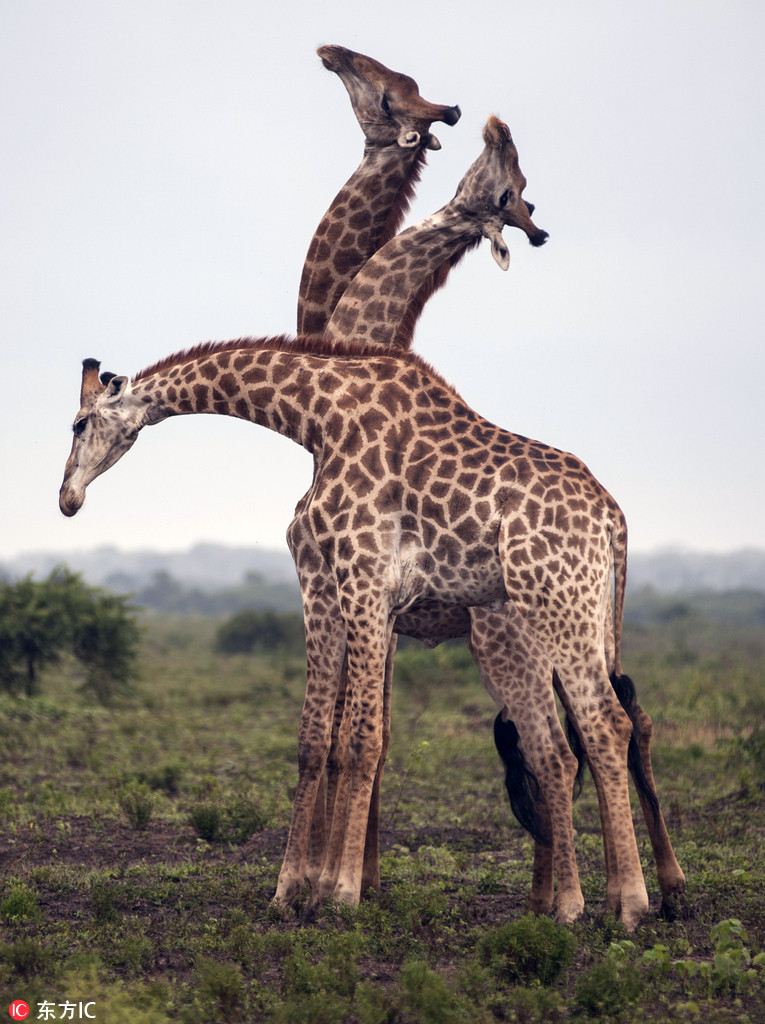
x=670, y=874
x=325, y=798
x=613, y=891
x=361, y=749
x=337, y=770
x=325, y=649
x=370, y=876
x=605, y=730
x=517, y=673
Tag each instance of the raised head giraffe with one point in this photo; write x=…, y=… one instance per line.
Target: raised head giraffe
x=363, y=216
x=443, y=238
x=415, y=498
x=381, y=306
x=382, y=303
x=369, y=208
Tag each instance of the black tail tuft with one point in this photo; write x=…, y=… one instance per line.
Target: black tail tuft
x=575, y=742
x=624, y=689
x=520, y=782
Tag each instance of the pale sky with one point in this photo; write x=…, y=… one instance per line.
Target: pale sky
x=165, y=163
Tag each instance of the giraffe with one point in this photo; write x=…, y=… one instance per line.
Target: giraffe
x=369, y=208
x=382, y=305
x=366, y=213
x=322, y=302
x=415, y=497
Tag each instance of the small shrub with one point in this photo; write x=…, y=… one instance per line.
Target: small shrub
x=19, y=905
x=530, y=949
x=26, y=958
x=243, y=817
x=222, y=988
x=102, y=901
x=234, y=821
x=137, y=804
x=205, y=819
x=607, y=990
x=425, y=996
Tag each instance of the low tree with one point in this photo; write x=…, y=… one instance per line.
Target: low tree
x=265, y=631
x=42, y=621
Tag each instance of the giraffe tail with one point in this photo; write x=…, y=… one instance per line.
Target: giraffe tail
x=578, y=751
x=520, y=782
x=622, y=684
x=625, y=691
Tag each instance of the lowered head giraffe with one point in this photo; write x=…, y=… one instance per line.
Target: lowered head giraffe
x=415, y=498
x=369, y=208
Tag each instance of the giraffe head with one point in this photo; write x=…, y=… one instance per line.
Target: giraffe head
x=106, y=426
x=493, y=189
x=387, y=104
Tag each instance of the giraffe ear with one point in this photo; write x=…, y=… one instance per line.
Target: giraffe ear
x=432, y=143
x=408, y=138
x=116, y=388
x=499, y=250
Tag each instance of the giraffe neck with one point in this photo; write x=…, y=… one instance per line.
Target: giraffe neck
x=367, y=212
x=268, y=382
x=381, y=306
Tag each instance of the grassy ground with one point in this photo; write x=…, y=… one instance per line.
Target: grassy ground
x=141, y=844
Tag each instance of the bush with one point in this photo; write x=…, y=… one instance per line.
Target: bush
x=40, y=622
x=265, y=631
x=530, y=949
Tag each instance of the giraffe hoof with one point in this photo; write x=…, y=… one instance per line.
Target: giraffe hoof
x=278, y=911
x=634, y=909
x=569, y=910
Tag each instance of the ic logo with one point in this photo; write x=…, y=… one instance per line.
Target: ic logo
x=19, y=1010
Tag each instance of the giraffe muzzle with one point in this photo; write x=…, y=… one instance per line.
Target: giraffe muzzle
x=70, y=501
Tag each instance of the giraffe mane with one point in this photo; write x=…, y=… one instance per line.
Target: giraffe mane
x=429, y=287
x=403, y=199
x=314, y=345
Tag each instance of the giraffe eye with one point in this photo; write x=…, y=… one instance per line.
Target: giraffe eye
x=385, y=105
x=79, y=426
x=505, y=198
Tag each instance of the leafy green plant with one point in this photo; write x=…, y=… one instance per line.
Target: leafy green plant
x=234, y=820
x=205, y=818
x=137, y=804
x=608, y=990
x=26, y=958
x=425, y=997
x=221, y=988
x=103, y=902
x=530, y=949
x=19, y=904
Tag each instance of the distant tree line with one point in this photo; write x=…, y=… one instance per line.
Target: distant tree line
x=164, y=593
x=40, y=622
